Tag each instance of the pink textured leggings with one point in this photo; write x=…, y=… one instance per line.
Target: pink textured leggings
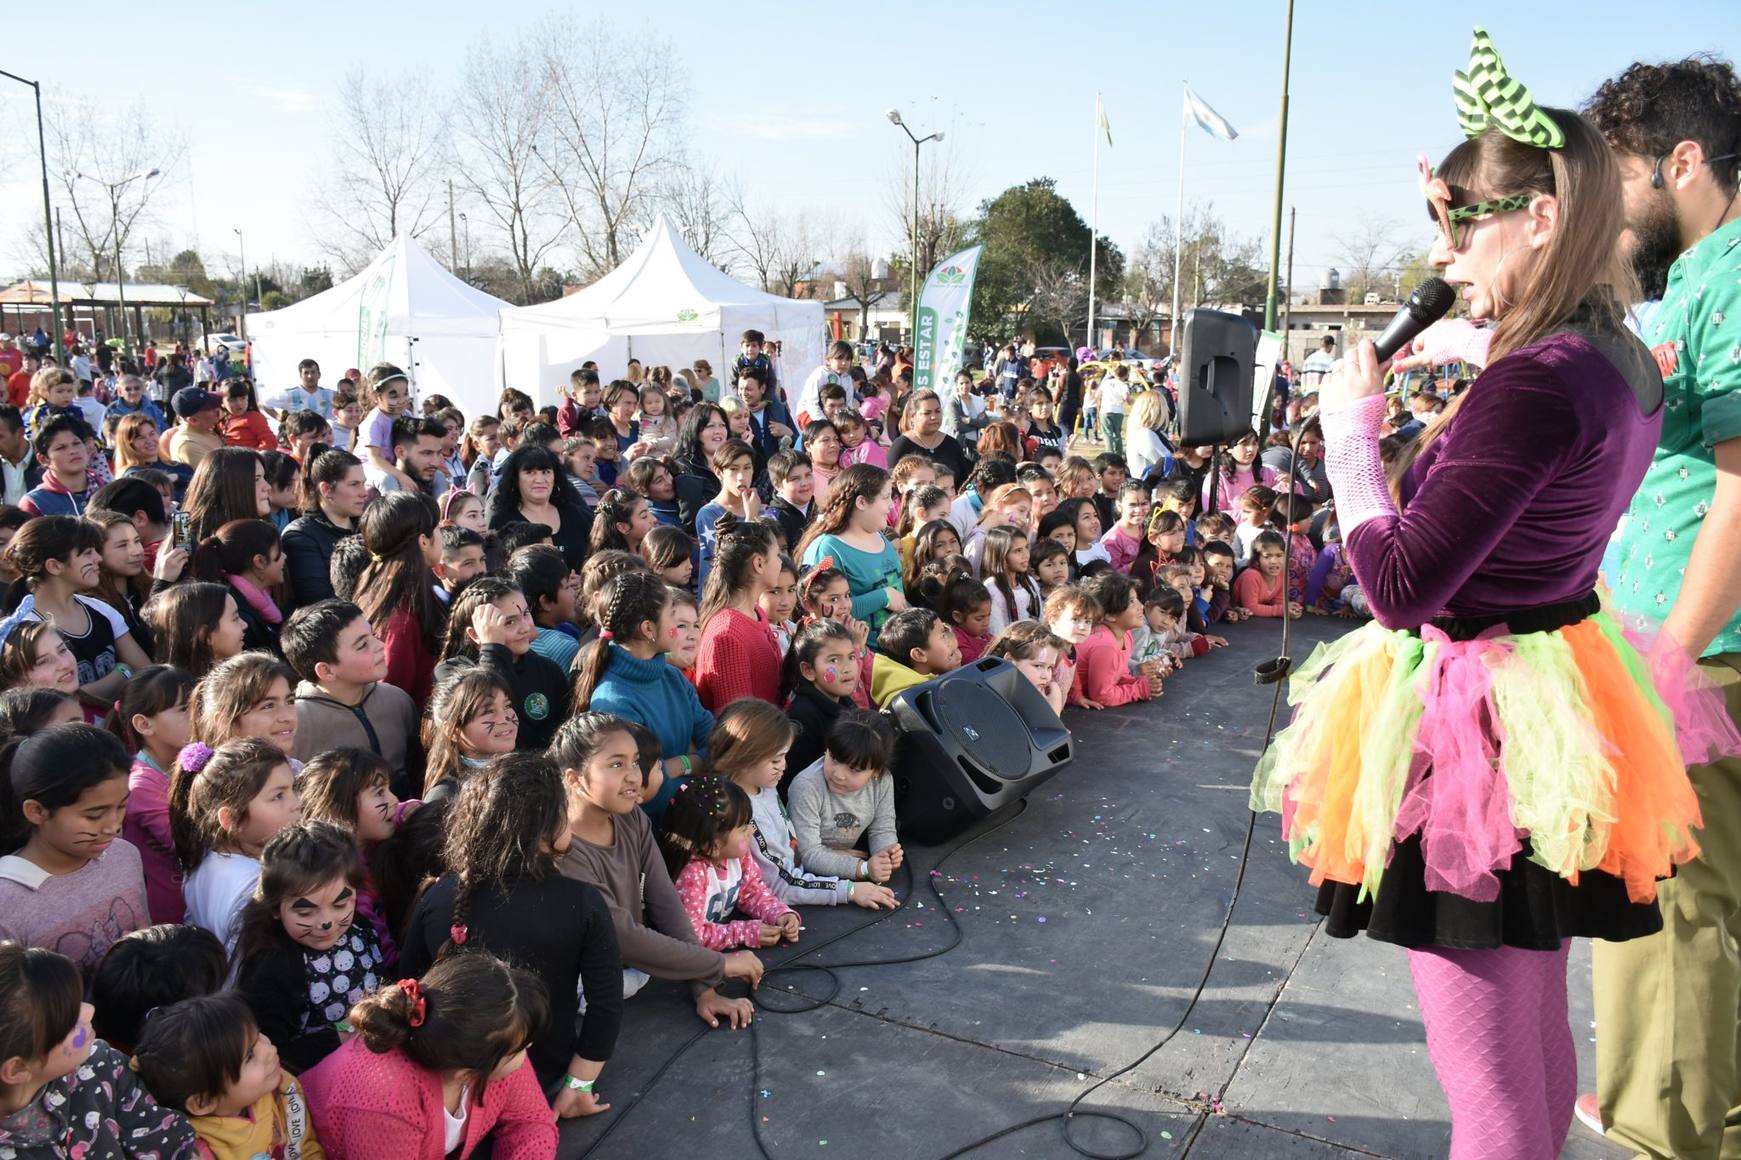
x=1500, y=1040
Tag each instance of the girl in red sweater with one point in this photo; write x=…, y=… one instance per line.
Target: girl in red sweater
x=437, y=1064
x=1259, y=587
x=740, y=656
x=243, y=425
x=396, y=589
x=1103, y=671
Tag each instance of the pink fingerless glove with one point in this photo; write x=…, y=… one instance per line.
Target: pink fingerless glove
x=1451, y=339
x=1352, y=462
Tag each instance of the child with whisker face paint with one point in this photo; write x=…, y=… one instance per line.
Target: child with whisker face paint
x=303, y=957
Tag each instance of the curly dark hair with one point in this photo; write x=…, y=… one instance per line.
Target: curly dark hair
x=503, y=826
x=1650, y=108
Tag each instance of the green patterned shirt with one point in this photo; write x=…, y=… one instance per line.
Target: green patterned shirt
x=1696, y=338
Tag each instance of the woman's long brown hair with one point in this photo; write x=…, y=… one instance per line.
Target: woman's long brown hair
x=1581, y=266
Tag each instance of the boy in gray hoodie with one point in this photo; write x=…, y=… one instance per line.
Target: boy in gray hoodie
x=343, y=699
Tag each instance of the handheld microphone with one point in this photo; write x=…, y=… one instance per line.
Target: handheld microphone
x=1429, y=302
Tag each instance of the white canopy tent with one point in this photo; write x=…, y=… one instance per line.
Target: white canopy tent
x=664, y=305
x=403, y=308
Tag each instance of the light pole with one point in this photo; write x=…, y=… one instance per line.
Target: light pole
x=115, y=188
x=894, y=116
x=1275, y=229
x=241, y=284
x=466, y=225
x=47, y=216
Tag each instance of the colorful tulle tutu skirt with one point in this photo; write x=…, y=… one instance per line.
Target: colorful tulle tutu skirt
x=1562, y=751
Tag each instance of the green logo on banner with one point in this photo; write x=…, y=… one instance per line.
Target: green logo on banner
x=951, y=276
x=688, y=315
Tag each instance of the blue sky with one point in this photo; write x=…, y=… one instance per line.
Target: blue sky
x=790, y=98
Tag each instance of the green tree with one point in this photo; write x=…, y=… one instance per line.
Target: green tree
x=189, y=269
x=1034, y=240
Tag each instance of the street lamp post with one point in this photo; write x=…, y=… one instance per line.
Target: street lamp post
x=115, y=188
x=894, y=116
x=47, y=216
x=242, y=282
x=466, y=225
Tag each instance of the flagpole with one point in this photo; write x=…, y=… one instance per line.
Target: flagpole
x=1173, y=336
x=1093, y=228
x=1275, y=232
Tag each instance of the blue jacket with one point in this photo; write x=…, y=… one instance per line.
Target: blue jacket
x=656, y=694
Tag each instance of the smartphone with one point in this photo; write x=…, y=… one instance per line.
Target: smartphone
x=181, y=530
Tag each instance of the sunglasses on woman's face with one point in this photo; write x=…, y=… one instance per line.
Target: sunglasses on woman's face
x=1454, y=222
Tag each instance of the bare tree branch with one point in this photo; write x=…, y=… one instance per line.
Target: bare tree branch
x=91, y=149
x=700, y=206
x=389, y=137
x=616, y=119
x=1372, y=254
x=942, y=228
x=500, y=117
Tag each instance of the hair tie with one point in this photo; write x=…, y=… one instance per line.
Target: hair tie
x=193, y=756
x=377, y=557
x=419, y=1002
x=458, y=933
x=606, y=634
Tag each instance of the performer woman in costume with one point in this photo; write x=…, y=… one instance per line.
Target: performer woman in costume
x=1489, y=770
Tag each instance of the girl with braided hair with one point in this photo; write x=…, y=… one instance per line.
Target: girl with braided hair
x=850, y=528
x=627, y=671
x=506, y=832
x=490, y=627
x=740, y=656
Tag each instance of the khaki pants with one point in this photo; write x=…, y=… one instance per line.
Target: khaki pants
x=1668, y=1007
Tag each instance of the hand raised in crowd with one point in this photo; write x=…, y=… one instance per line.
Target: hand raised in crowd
x=860, y=630
x=171, y=563
x=489, y=625
x=712, y=1007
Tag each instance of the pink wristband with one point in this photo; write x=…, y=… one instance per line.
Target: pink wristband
x=1353, y=464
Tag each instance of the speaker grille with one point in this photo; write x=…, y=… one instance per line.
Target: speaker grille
x=985, y=725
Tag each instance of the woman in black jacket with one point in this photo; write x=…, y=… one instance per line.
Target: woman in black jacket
x=533, y=486
x=334, y=495
x=704, y=431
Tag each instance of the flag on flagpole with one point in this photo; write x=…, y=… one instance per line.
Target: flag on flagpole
x=1100, y=119
x=1208, y=119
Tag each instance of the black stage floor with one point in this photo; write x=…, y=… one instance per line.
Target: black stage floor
x=1087, y=920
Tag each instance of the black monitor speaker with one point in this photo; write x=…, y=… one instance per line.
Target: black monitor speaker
x=1216, y=363
x=970, y=742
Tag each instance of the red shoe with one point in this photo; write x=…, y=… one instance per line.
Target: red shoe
x=1589, y=1113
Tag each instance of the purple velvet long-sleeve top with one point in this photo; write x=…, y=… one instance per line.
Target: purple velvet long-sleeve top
x=1513, y=507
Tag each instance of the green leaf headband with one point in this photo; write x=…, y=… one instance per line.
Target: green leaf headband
x=1488, y=97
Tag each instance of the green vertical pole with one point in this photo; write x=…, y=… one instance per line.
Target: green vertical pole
x=1275, y=232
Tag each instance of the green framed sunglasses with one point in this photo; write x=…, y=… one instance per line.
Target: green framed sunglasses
x=1454, y=221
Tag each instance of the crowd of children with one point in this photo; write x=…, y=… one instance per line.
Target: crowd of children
x=356, y=796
